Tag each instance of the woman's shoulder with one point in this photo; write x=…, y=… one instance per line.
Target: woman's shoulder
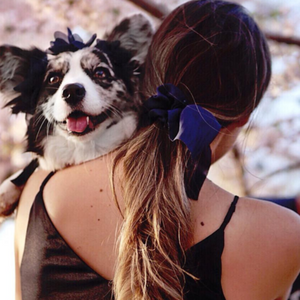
x=270, y=223
x=262, y=250
x=265, y=219
x=79, y=202
x=251, y=216
x=68, y=187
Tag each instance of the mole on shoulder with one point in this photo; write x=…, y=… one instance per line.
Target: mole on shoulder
x=202, y=223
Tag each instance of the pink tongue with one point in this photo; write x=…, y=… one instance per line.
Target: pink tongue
x=77, y=124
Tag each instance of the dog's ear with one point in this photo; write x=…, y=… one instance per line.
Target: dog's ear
x=21, y=76
x=134, y=34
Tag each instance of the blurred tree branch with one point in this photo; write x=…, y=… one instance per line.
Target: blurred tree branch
x=294, y=166
x=282, y=39
x=159, y=11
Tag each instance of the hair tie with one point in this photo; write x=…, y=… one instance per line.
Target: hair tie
x=193, y=125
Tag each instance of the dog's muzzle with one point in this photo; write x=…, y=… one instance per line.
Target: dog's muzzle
x=79, y=123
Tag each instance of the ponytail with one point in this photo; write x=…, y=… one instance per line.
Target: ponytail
x=156, y=229
x=163, y=166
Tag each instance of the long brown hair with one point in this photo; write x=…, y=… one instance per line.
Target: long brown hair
x=215, y=53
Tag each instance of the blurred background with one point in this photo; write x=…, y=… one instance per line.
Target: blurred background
x=265, y=161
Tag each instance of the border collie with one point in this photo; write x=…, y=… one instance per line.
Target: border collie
x=81, y=100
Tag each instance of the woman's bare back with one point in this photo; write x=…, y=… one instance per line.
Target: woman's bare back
x=91, y=228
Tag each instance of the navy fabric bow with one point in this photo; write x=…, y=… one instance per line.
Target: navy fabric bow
x=71, y=42
x=193, y=125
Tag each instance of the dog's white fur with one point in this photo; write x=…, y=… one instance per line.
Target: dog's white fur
x=61, y=152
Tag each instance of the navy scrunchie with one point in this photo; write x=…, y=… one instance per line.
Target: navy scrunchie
x=193, y=125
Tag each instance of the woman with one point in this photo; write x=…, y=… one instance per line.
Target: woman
x=172, y=233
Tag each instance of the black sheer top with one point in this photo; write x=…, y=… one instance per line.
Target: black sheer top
x=50, y=269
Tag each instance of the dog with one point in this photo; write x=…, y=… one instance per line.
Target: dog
x=80, y=100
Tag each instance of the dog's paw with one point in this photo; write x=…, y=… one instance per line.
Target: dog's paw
x=9, y=197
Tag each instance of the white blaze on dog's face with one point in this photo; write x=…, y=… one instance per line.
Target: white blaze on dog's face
x=89, y=97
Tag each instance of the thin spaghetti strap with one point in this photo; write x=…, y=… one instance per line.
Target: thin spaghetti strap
x=230, y=212
x=46, y=180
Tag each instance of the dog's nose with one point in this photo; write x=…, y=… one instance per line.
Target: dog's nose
x=73, y=93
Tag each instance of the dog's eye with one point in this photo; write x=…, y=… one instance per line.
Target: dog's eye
x=101, y=73
x=52, y=79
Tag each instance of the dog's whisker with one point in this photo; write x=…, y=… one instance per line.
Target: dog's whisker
x=116, y=111
x=40, y=128
x=40, y=116
x=48, y=129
